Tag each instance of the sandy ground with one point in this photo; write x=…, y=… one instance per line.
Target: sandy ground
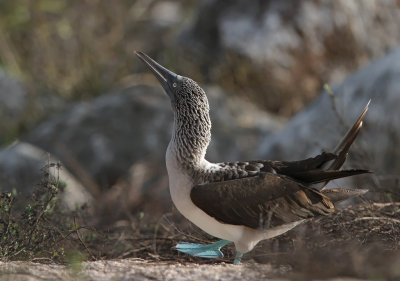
x=138, y=269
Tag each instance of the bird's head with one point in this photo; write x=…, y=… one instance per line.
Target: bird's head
x=186, y=96
x=192, y=125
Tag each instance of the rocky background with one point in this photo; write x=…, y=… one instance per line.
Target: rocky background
x=72, y=90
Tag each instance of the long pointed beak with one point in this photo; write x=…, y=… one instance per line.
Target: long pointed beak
x=165, y=76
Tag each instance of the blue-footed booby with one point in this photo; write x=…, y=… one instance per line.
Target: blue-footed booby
x=241, y=202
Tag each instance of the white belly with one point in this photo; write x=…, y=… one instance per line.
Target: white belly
x=184, y=204
x=243, y=237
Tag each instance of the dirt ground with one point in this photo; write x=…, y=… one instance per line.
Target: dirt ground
x=138, y=269
x=358, y=242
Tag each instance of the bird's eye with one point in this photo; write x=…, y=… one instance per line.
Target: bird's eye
x=174, y=85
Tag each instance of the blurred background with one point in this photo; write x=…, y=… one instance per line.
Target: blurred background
x=71, y=86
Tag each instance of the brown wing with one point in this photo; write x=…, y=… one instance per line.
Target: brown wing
x=262, y=201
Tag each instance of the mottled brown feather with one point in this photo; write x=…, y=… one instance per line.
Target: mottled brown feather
x=262, y=201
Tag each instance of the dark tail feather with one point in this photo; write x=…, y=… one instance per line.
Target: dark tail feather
x=318, y=176
x=343, y=147
x=337, y=195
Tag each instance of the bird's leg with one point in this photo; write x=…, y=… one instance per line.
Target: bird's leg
x=238, y=258
x=205, y=251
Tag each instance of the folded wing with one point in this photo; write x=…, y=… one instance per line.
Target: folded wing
x=262, y=201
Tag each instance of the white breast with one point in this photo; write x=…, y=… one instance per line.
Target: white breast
x=180, y=185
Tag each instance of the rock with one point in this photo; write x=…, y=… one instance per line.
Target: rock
x=101, y=139
x=166, y=13
x=237, y=127
x=120, y=140
x=20, y=167
x=13, y=104
x=319, y=127
x=281, y=52
x=20, y=170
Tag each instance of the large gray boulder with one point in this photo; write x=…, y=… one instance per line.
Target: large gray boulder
x=320, y=127
x=281, y=52
x=100, y=139
x=22, y=167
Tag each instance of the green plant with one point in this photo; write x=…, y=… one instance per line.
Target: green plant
x=41, y=228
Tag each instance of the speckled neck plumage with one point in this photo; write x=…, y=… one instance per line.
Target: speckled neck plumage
x=192, y=125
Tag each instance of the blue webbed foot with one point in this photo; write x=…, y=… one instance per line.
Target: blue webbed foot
x=238, y=258
x=211, y=251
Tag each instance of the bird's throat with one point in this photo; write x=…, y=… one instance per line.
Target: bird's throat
x=190, y=139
